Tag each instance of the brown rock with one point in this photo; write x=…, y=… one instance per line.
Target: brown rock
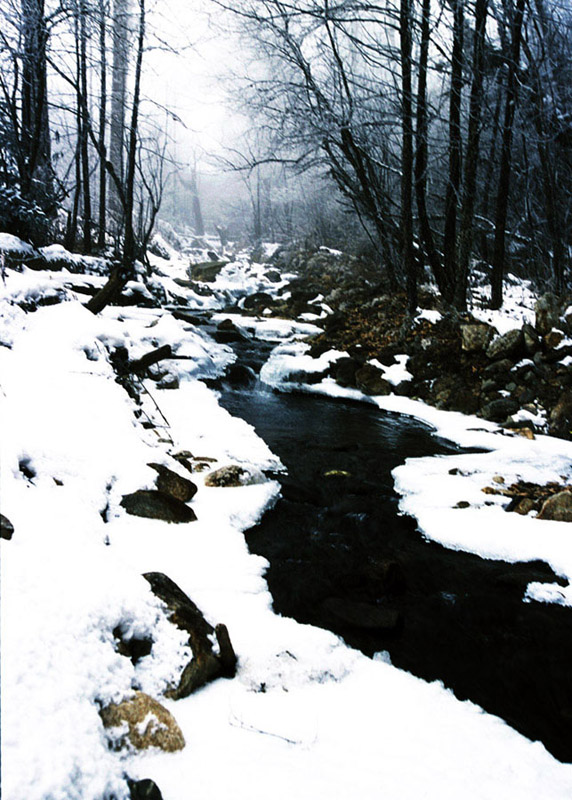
x=149, y=724
x=231, y=476
x=508, y=345
x=547, y=313
x=476, y=337
x=553, y=338
x=558, y=507
x=369, y=380
x=560, y=423
x=524, y=506
x=171, y=483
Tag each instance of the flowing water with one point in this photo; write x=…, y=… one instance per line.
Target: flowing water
x=343, y=558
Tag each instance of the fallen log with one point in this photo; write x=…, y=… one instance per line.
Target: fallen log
x=141, y=364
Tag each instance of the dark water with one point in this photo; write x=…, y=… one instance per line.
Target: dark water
x=341, y=557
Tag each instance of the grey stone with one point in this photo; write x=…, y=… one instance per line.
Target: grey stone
x=506, y=346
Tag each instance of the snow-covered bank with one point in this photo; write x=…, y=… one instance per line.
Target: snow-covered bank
x=304, y=714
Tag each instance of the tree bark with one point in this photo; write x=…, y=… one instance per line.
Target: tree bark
x=503, y=190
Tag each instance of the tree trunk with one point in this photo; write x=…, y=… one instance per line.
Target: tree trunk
x=506, y=158
x=455, y=147
x=83, y=135
x=120, y=37
x=407, y=253
x=34, y=163
x=471, y=158
x=421, y=152
x=102, y=215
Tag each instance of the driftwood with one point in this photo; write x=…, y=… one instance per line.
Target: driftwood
x=112, y=289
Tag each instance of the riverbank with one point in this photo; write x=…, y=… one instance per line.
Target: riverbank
x=305, y=714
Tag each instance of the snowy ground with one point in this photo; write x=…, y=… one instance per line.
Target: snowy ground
x=305, y=715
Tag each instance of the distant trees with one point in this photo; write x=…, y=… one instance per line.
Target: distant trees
x=88, y=151
x=425, y=113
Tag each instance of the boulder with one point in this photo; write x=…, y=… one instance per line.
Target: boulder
x=227, y=332
x=547, y=313
x=232, y=476
x=558, y=507
x=531, y=339
x=239, y=375
x=169, y=482
x=508, y=345
x=206, y=271
x=205, y=665
x=476, y=337
x=553, y=338
x=156, y=505
x=560, y=421
x=6, y=527
x=273, y=276
x=145, y=789
x=370, y=380
x=499, y=410
x=345, y=371
x=258, y=300
x=149, y=724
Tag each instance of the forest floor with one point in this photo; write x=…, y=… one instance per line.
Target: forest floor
x=304, y=715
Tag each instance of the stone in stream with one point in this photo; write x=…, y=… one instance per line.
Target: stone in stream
x=362, y=615
x=156, y=505
x=233, y=476
x=227, y=332
x=171, y=483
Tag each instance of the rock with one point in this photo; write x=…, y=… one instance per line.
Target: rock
x=553, y=338
x=524, y=506
x=168, y=382
x=227, y=332
x=258, y=300
x=145, y=789
x=206, y=271
x=531, y=339
x=560, y=421
x=509, y=345
x=171, y=483
x=6, y=527
x=149, y=724
x=273, y=276
x=233, y=476
x=369, y=380
x=205, y=665
x=183, y=612
x=361, y=615
x=558, y=507
x=500, y=367
x=133, y=648
x=547, y=313
x=462, y=504
x=156, y=505
x=345, y=371
x=499, y=410
x=476, y=337
x=239, y=375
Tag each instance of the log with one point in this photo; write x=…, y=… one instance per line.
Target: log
x=148, y=359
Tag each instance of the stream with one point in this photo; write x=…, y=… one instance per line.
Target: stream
x=343, y=558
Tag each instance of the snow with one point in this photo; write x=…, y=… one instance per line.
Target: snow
x=305, y=715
